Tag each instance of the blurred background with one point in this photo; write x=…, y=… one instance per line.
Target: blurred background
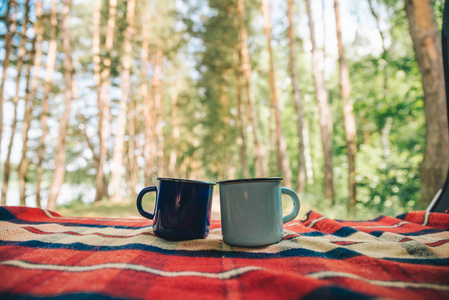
x=342, y=98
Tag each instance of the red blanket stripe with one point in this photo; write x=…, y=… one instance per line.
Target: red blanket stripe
x=38, y=231
x=370, y=268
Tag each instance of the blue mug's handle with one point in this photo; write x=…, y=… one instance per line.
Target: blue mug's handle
x=295, y=200
x=139, y=201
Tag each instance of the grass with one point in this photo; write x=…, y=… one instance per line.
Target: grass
x=106, y=209
x=127, y=208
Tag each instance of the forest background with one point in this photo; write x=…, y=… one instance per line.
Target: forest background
x=342, y=98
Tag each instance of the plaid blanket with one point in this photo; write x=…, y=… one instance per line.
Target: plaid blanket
x=44, y=255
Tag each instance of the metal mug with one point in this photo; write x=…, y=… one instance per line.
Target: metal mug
x=182, y=208
x=251, y=211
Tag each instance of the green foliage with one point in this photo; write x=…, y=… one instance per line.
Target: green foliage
x=393, y=187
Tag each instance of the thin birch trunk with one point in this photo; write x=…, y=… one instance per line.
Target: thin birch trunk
x=96, y=44
x=51, y=60
x=281, y=145
x=366, y=135
x=324, y=112
x=159, y=111
x=96, y=53
x=230, y=169
x=24, y=129
x=308, y=156
x=131, y=170
x=59, y=171
x=301, y=181
x=228, y=166
x=183, y=168
x=11, y=26
x=101, y=187
x=153, y=113
x=428, y=53
x=385, y=132
x=147, y=107
x=15, y=100
x=83, y=128
x=384, y=48
x=259, y=152
x=140, y=139
x=348, y=112
x=29, y=105
x=82, y=120
x=273, y=166
x=385, y=137
x=323, y=47
x=116, y=179
x=241, y=140
x=175, y=124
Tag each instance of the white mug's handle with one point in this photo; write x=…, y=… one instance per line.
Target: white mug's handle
x=295, y=200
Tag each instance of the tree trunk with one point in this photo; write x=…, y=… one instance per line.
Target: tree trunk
x=308, y=157
x=121, y=122
x=348, y=112
x=131, y=169
x=23, y=160
x=11, y=31
x=281, y=145
x=29, y=104
x=101, y=187
x=301, y=182
x=147, y=107
x=384, y=48
x=427, y=47
x=96, y=44
x=59, y=171
x=385, y=137
x=227, y=170
x=158, y=110
x=96, y=53
x=51, y=59
x=323, y=19
x=230, y=169
x=175, y=124
x=273, y=167
x=82, y=120
x=259, y=152
x=241, y=140
x=324, y=112
x=15, y=100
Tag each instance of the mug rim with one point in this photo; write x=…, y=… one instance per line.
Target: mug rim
x=184, y=180
x=250, y=180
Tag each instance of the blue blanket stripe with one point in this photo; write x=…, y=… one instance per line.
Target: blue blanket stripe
x=71, y=296
x=335, y=254
x=26, y=222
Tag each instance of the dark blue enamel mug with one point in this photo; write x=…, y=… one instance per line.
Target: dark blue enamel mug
x=182, y=208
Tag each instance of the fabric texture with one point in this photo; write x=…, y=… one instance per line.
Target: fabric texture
x=45, y=255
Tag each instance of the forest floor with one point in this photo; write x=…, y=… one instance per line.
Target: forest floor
x=106, y=209
x=127, y=209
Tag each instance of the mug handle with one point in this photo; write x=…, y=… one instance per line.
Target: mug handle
x=295, y=200
x=139, y=201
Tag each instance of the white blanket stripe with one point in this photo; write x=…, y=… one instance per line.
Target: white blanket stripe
x=132, y=267
x=51, y=216
x=383, y=283
x=382, y=226
x=229, y=274
x=426, y=218
x=315, y=221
